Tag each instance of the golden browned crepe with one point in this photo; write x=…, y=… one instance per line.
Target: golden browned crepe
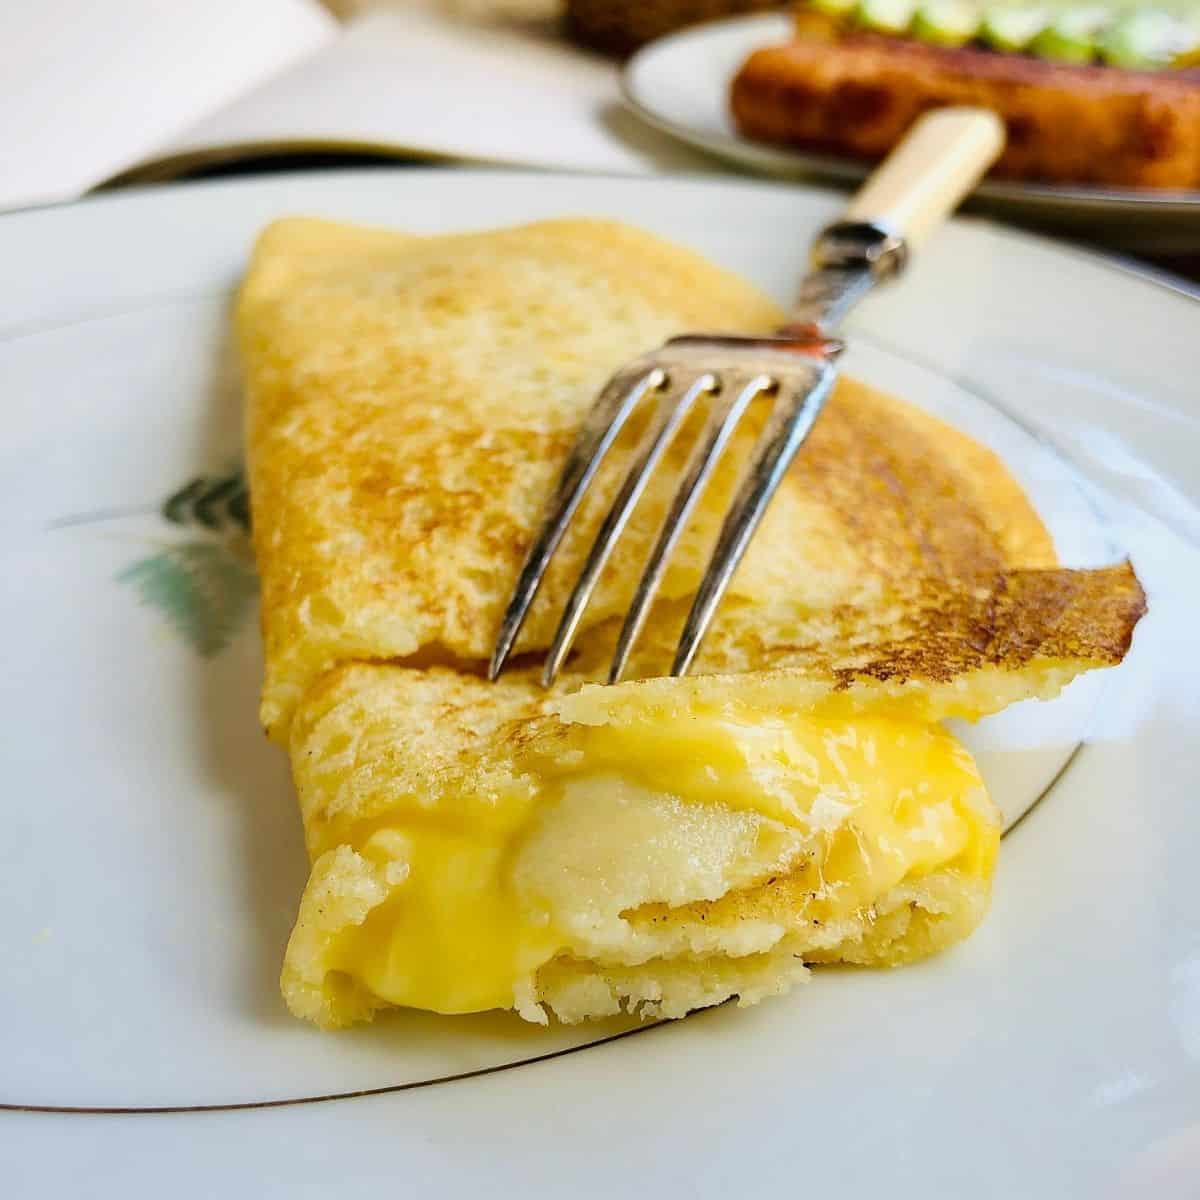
x=410, y=404
x=657, y=845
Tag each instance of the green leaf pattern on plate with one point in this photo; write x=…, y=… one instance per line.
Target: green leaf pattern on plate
x=216, y=503
x=204, y=587
x=201, y=588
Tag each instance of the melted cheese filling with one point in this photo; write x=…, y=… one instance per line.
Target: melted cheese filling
x=484, y=891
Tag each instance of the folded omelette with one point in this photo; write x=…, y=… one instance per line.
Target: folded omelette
x=662, y=844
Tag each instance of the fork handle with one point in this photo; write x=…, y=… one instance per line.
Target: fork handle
x=933, y=168
x=917, y=186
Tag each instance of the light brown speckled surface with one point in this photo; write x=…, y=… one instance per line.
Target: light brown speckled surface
x=410, y=403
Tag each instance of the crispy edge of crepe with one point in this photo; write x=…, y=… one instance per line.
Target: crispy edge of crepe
x=1025, y=636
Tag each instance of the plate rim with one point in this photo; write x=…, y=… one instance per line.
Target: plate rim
x=166, y=190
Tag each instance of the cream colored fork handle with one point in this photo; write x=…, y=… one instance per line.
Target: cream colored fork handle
x=925, y=178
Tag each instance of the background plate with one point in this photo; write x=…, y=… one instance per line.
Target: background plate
x=680, y=84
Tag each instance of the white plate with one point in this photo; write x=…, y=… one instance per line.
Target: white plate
x=680, y=84
x=151, y=860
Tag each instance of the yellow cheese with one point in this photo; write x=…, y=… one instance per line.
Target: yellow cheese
x=485, y=888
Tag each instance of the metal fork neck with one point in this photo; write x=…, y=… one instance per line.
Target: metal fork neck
x=848, y=258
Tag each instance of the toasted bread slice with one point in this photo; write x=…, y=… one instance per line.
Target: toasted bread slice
x=858, y=93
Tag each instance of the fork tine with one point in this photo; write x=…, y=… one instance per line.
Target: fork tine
x=726, y=414
x=604, y=422
x=789, y=424
x=670, y=416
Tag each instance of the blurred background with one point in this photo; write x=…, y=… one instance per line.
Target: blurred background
x=134, y=92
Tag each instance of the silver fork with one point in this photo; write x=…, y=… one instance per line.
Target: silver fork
x=914, y=190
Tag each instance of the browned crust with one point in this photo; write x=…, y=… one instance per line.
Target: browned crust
x=1080, y=617
x=1056, y=618
x=856, y=95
